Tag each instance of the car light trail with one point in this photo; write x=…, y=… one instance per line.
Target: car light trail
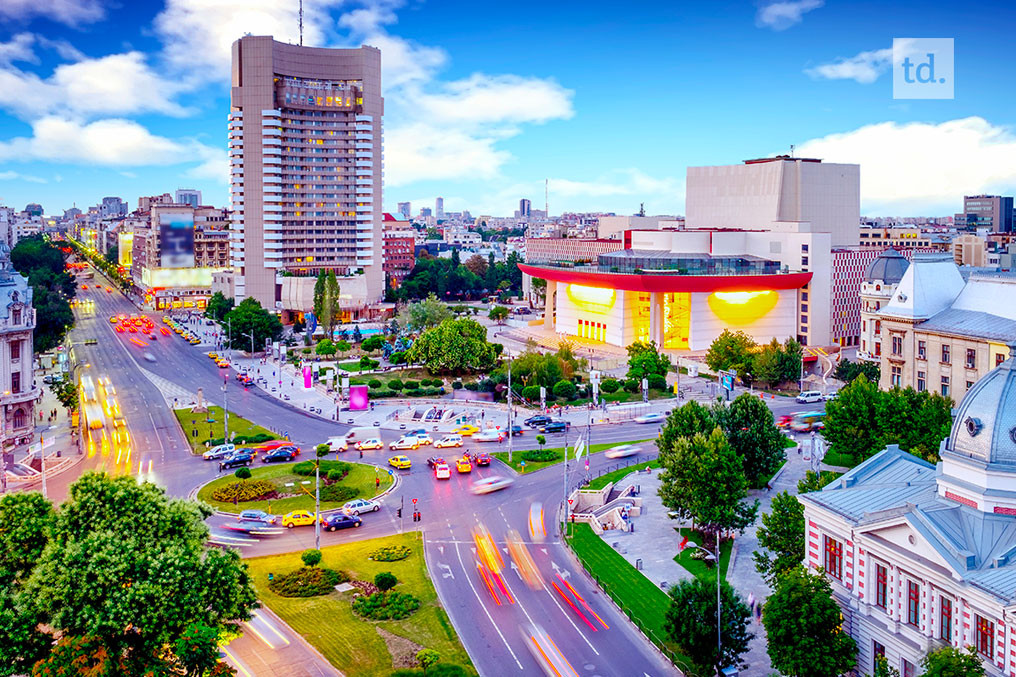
x=574, y=608
x=138, y=342
x=486, y=581
x=583, y=602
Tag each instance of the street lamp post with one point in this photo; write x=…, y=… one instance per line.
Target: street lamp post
x=719, y=604
x=510, y=432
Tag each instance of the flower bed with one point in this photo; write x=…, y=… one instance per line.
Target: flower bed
x=307, y=582
x=384, y=606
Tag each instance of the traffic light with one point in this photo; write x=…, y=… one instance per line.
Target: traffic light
x=398, y=512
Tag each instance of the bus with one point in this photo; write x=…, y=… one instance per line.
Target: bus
x=806, y=421
x=90, y=406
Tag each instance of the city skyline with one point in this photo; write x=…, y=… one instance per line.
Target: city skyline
x=484, y=126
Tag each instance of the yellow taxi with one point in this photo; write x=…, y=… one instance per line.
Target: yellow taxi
x=222, y=364
x=194, y=341
x=463, y=465
x=166, y=319
x=401, y=462
x=214, y=356
x=298, y=518
x=466, y=430
x=112, y=319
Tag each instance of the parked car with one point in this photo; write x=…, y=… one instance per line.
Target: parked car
x=537, y=421
x=256, y=516
x=554, y=427
x=240, y=458
x=652, y=417
x=488, y=436
x=359, y=505
x=622, y=451
x=809, y=396
x=490, y=484
x=279, y=455
x=449, y=441
x=221, y=451
x=341, y=521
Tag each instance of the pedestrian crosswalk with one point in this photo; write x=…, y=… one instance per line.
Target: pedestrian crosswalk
x=176, y=396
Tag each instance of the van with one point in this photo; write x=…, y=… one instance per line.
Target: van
x=337, y=444
x=809, y=396
x=360, y=434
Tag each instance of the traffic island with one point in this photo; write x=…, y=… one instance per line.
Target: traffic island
x=531, y=460
x=202, y=427
x=352, y=644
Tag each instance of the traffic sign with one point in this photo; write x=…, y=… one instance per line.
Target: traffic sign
x=570, y=501
x=414, y=501
x=390, y=471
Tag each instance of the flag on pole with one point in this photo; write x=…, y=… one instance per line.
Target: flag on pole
x=683, y=544
x=580, y=448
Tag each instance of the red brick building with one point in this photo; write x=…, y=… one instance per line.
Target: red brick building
x=399, y=243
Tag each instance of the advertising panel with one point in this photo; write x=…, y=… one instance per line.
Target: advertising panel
x=358, y=399
x=125, y=248
x=176, y=235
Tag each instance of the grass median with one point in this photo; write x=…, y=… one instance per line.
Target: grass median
x=699, y=568
x=640, y=599
x=360, y=478
x=532, y=466
x=619, y=474
x=198, y=428
x=351, y=644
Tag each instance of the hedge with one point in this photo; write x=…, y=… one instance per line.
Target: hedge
x=307, y=582
x=241, y=439
x=540, y=455
x=412, y=385
x=383, y=606
x=338, y=493
x=248, y=490
x=307, y=467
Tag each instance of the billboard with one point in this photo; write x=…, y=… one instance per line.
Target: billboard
x=125, y=248
x=176, y=236
x=358, y=399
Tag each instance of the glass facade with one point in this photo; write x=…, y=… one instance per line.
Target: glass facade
x=633, y=261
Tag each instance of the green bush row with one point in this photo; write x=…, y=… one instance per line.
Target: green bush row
x=540, y=455
x=306, y=468
x=248, y=490
x=307, y=582
x=383, y=606
x=338, y=493
x=242, y=439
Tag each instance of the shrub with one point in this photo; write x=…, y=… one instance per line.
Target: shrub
x=306, y=468
x=374, y=383
x=472, y=386
x=631, y=386
x=311, y=557
x=436, y=382
x=609, y=385
x=255, y=490
x=427, y=658
x=383, y=606
x=436, y=670
x=657, y=381
x=336, y=474
x=305, y=351
x=564, y=389
x=412, y=385
x=390, y=553
x=307, y=582
x=531, y=393
x=398, y=357
x=395, y=384
x=385, y=581
x=242, y=473
x=456, y=385
x=338, y=493
x=540, y=455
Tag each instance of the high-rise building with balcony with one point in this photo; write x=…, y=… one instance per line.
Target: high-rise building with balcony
x=305, y=146
x=188, y=196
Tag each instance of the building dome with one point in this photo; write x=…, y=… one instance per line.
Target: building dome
x=985, y=423
x=888, y=267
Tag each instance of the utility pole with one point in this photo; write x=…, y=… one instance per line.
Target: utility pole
x=317, y=503
x=510, y=432
x=225, y=411
x=42, y=462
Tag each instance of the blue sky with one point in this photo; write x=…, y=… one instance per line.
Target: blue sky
x=484, y=101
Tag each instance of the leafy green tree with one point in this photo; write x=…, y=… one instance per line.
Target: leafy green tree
x=851, y=421
x=753, y=434
x=883, y=669
x=42, y=263
x=498, y=314
x=325, y=347
x=311, y=557
x=53, y=318
x=803, y=628
x=21, y=626
x=766, y=363
x=454, y=346
x=385, y=580
x=951, y=662
x=780, y=538
x=791, y=359
x=218, y=306
x=113, y=254
x=422, y=315
x=197, y=649
x=477, y=265
x=610, y=385
x=66, y=393
x=372, y=343
x=330, y=304
x=685, y=422
x=813, y=481
x=427, y=657
x=847, y=371
x=703, y=479
x=250, y=317
x=731, y=350
x=645, y=360
x=565, y=390
x=28, y=521
x=691, y=624
x=541, y=440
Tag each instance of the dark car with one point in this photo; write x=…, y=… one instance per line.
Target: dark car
x=341, y=521
x=240, y=458
x=434, y=460
x=279, y=455
x=481, y=459
x=554, y=427
x=536, y=421
x=517, y=430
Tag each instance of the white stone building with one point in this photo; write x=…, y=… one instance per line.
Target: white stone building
x=877, y=290
x=18, y=391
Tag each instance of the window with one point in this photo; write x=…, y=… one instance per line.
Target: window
x=920, y=382
x=922, y=350
x=834, y=558
x=881, y=585
x=16, y=316
x=804, y=296
x=878, y=349
x=804, y=260
x=913, y=604
x=945, y=354
x=16, y=350
x=897, y=376
x=945, y=386
x=804, y=247
x=971, y=358
x=970, y=384
x=909, y=670
x=985, y=637
x=19, y=418
x=897, y=345
x=878, y=326
x=16, y=382
x=804, y=319
x=877, y=651
x=945, y=620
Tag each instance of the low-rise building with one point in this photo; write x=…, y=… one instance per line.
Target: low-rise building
x=878, y=288
x=398, y=251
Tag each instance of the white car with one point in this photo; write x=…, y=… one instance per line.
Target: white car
x=654, y=417
x=829, y=397
x=442, y=471
x=622, y=451
x=360, y=505
x=403, y=443
x=372, y=443
x=448, y=441
x=809, y=397
x=338, y=444
x=221, y=451
x=488, y=436
x=490, y=484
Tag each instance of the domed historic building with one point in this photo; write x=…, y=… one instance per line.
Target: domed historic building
x=878, y=287
x=922, y=556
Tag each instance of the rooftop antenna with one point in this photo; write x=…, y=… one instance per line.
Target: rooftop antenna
x=546, y=199
x=791, y=145
x=301, y=23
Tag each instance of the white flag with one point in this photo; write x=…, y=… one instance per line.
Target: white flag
x=580, y=448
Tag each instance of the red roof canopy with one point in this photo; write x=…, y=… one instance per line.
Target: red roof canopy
x=648, y=282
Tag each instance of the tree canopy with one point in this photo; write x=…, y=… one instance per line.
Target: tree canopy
x=454, y=346
x=780, y=538
x=422, y=315
x=644, y=360
x=691, y=624
x=533, y=368
x=847, y=371
x=498, y=314
x=731, y=350
x=53, y=287
x=218, y=306
x=250, y=317
x=753, y=434
x=772, y=363
x=952, y=662
x=326, y=300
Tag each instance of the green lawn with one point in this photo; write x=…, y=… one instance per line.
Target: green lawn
x=361, y=477
x=616, y=475
x=698, y=568
x=645, y=603
x=840, y=460
x=348, y=366
x=192, y=423
x=533, y=466
x=353, y=645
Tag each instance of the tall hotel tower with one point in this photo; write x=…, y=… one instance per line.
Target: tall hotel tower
x=305, y=149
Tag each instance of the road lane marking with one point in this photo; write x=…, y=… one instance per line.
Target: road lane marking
x=484, y=607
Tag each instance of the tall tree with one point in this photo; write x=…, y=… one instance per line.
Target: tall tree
x=218, y=306
x=454, y=346
x=691, y=624
x=766, y=366
x=847, y=371
x=498, y=314
x=703, y=479
x=803, y=628
x=731, y=350
x=319, y=296
x=685, y=421
x=330, y=304
x=422, y=315
x=250, y=317
x=753, y=434
x=951, y=662
x=780, y=538
x=791, y=359
x=477, y=265
x=644, y=360
x=851, y=422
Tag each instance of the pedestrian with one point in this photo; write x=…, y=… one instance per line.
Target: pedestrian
x=377, y=482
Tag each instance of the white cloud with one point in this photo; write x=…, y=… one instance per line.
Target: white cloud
x=782, y=15
x=63, y=48
x=923, y=168
x=12, y=176
x=18, y=49
x=483, y=99
x=864, y=68
x=420, y=151
x=69, y=12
